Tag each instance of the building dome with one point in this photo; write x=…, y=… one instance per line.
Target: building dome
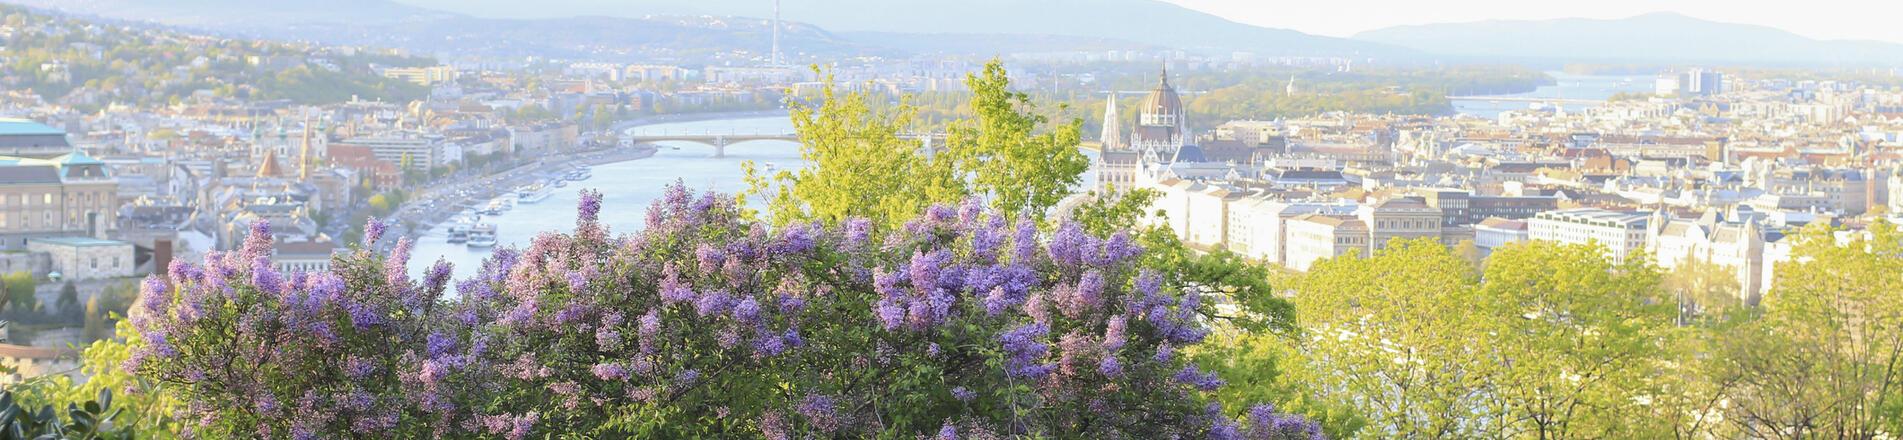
x=1162, y=106
x=1161, y=124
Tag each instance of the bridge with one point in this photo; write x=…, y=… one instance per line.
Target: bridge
x=718, y=140
x=1526, y=99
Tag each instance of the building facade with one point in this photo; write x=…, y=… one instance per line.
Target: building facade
x=81, y=258
x=1621, y=233
x=1316, y=237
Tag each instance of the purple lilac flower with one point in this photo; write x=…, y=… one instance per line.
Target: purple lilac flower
x=155, y=294
x=607, y=337
x=795, y=240
x=257, y=243
x=1023, y=351
x=672, y=290
x=1113, y=337
x=769, y=346
x=372, y=231
x=820, y=411
x=891, y=313
x=1024, y=242
x=790, y=304
x=1110, y=366
x=1089, y=295
x=773, y=426
x=1191, y=376
x=1149, y=283
x=363, y=315
x=325, y=335
x=997, y=302
x=1221, y=428
x=948, y=432
x=439, y=344
x=963, y=394
x=857, y=231
x=747, y=312
x=588, y=209
x=438, y=275
x=709, y=258
x=266, y=278
x=358, y=368
x=610, y=371
x=925, y=269
x=1066, y=247
x=650, y=323
x=713, y=303
x=396, y=266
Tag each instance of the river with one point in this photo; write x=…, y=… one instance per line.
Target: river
x=1568, y=86
x=626, y=188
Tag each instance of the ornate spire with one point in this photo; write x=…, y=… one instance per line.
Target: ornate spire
x=304, y=155
x=1112, y=136
x=268, y=167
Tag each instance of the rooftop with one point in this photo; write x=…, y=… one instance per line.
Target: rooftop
x=17, y=127
x=77, y=241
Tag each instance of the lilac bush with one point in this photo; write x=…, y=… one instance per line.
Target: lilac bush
x=961, y=324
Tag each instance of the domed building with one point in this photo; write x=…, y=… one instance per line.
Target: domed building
x=1158, y=138
x=1161, y=123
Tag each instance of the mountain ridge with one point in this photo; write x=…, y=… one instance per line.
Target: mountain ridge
x=1147, y=22
x=1652, y=37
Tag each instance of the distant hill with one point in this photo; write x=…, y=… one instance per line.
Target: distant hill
x=81, y=63
x=244, y=14
x=387, y=23
x=1146, y=22
x=1658, y=37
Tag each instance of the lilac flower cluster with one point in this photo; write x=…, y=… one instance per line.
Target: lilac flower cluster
x=1263, y=423
x=302, y=353
x=979, y=323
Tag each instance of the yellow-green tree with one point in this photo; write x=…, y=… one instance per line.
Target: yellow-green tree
x=1016, y=162
x=1576, y=338
x=1397, y=335
x=1826, y=358
x=860, y=164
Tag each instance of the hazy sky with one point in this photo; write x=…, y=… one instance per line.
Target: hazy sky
x=1825, y=19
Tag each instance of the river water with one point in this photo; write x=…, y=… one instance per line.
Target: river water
x=1569, y=86
x=626, y=188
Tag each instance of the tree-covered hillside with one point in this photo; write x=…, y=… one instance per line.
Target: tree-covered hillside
x=93, y=64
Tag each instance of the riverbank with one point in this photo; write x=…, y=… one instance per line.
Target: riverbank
x=430, y=206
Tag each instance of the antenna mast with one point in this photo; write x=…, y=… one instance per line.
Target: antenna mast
x=776, y=32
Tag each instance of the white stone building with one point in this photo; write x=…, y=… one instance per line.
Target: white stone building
x=1316, y=237
x=83, y=258
x=1621, y=233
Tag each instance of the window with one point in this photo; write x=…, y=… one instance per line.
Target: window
x=95, y=262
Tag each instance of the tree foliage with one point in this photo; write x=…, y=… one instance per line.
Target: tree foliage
x=861, y=165
x=1021, y=167
x=1826, y=358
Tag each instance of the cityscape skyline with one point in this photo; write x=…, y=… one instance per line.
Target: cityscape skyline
x=984, y=220
x=1344, y=19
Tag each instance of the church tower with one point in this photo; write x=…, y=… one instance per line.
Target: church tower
x=1112, y=136
x=304, y=154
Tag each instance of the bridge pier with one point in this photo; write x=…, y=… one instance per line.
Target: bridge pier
x=720, y=146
